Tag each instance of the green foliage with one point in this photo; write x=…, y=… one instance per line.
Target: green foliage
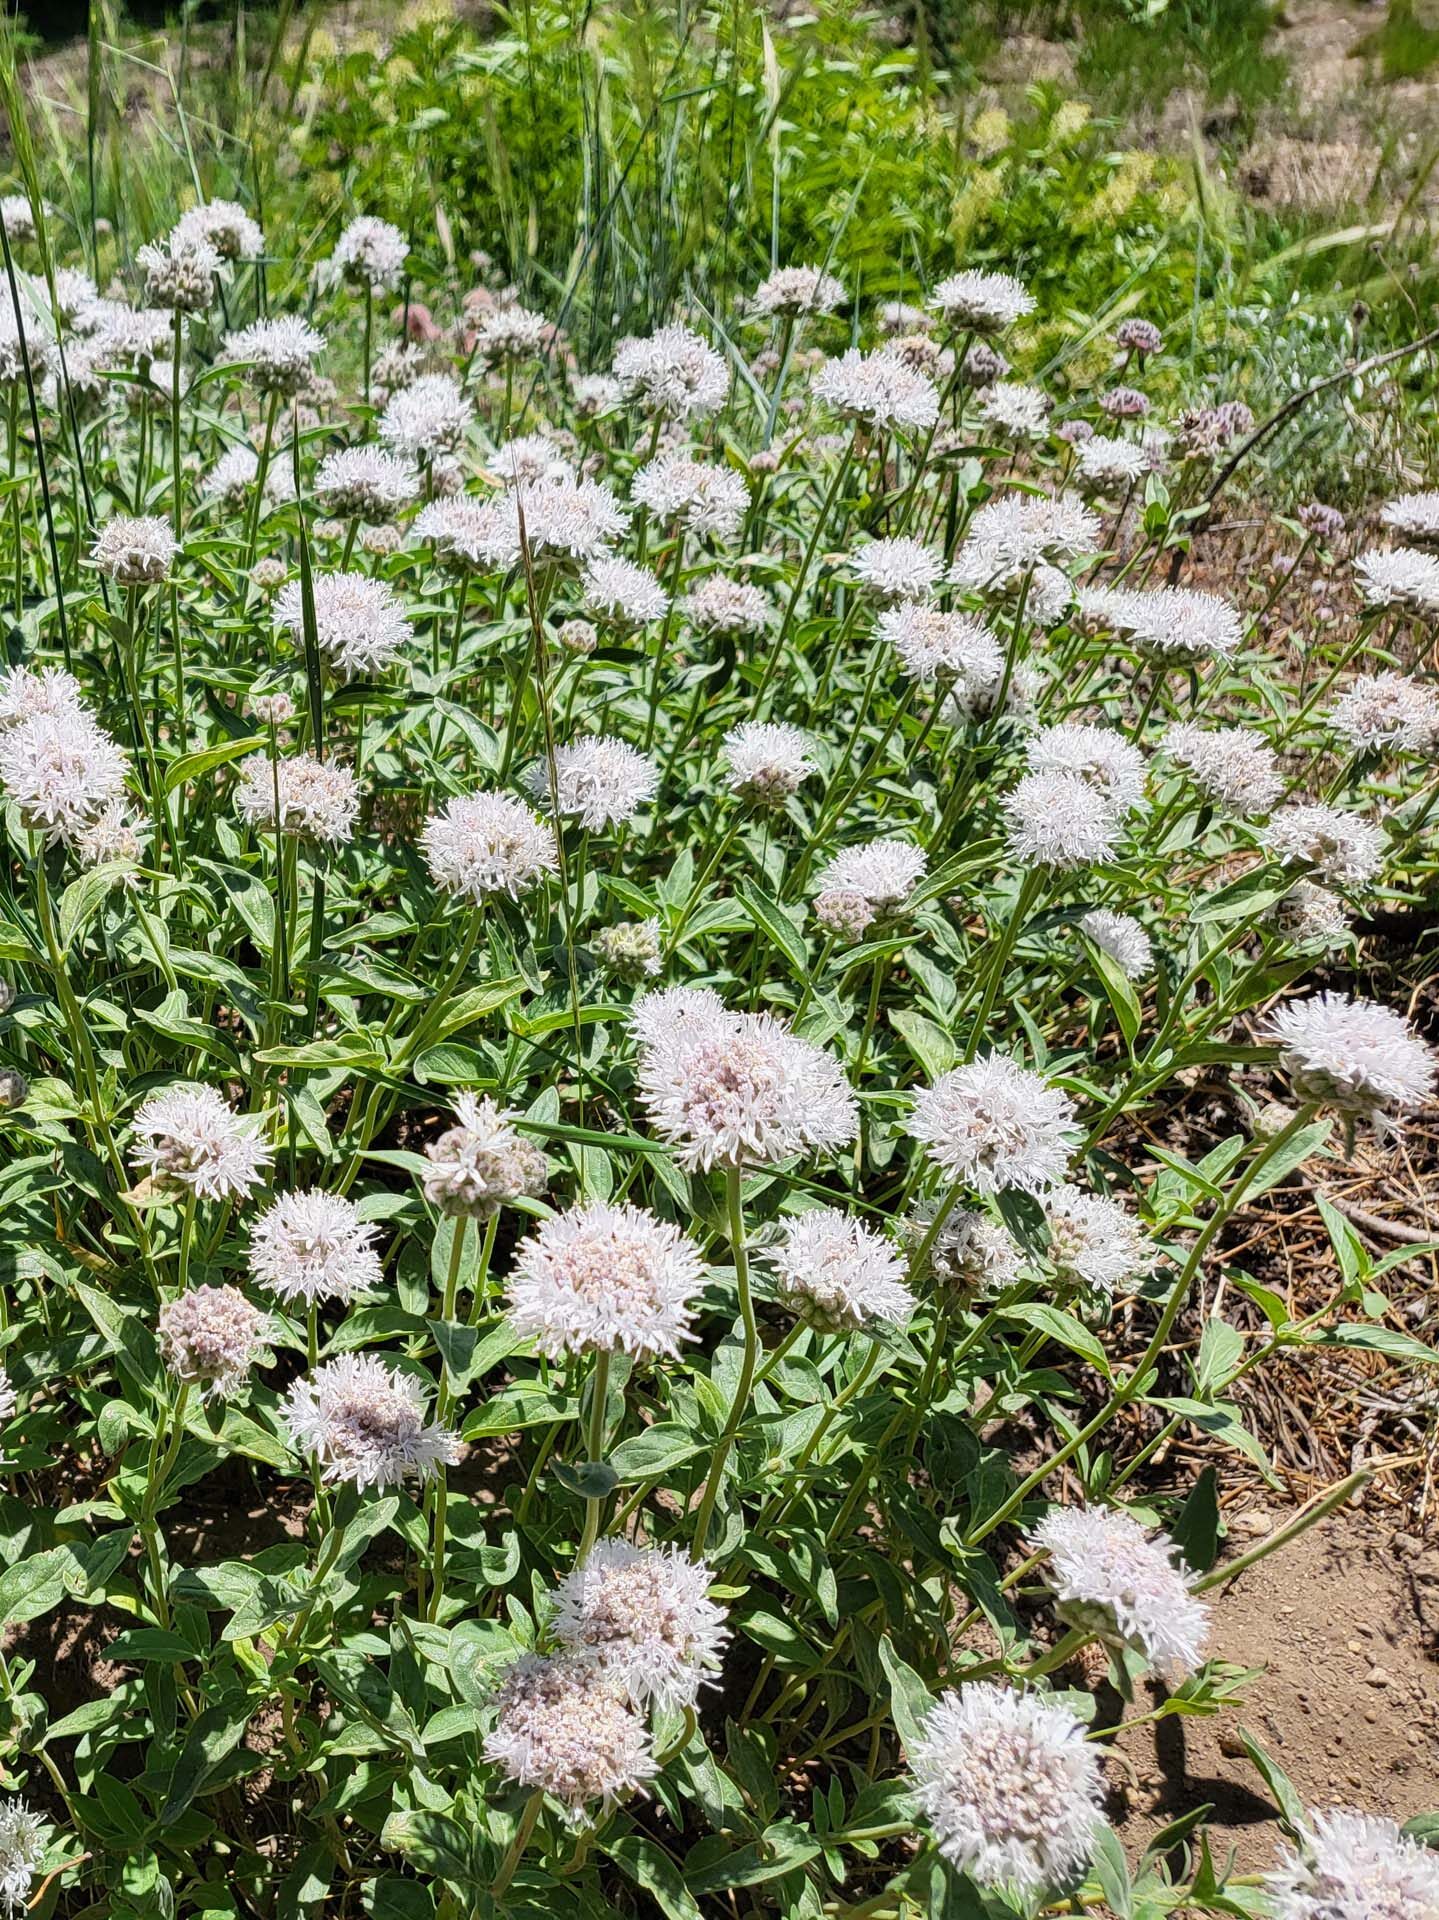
x=306, y=1657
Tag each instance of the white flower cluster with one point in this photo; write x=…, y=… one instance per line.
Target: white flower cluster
x=838, y=1272
x=209, y=1338
x=935, y=645
x=363, y=1421
x=981, y=302
x=602, y=780
x=993, y=1123
x=795, y=290
x=1115, y=1579
x=280, y=354
x=767, y=761
x=1356, y=1866
x=190, y=1139
x=1234, y=767
x=898, y=568
x=61, y=769
x=481, y=1163
x=736, y=1089
x=564, y=1727
x=709, y=500
x=643, y=1618
x=605, y=1279
x=1354, y=1055
x=360, y=624
x=673, y=373
x=486, y=843
x=878, y=390
x=1093, y=1240
x=1387, y=710
x=1009, y=1786
x=1343, y=848
x=300, y=795
x=311, y=1246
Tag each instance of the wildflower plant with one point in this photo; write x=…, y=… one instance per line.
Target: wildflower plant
x=594, y=919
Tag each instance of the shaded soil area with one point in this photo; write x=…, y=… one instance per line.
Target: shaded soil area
x=1345, y=1624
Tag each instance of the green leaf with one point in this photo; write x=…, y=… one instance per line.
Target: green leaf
x=910, y=1699
x=781, y=1847
x=1196, y=1531
x=192, y=766
x=1277, y=1781
x=1305, y=1144
x=651, y=1870
x=149, y=1643
x=214, y=1735
x=1064, y=1328
x=1119, y=992
x=774, y=921
x=653, y=1452
x=1111, y=1870
x=82, y=900
x=31, y=1587
x=1386, y=1340
x=1243, y=899
x=590, y=1479
x=523, y=1407
x=431, y=1842
x=926, y=1040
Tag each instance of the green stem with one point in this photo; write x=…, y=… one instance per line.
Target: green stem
x=739, y=1405
x=595, y=1447
x=1138, y=1377
x=517, y=1846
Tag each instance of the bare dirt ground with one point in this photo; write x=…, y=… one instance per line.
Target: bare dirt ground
x=1345, y=1624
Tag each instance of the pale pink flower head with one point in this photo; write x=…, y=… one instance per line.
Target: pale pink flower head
x=885, y=872
x=364, y=1422
x=1010, y=1787
x=605, y=1279
x=672, y=372
x=481, y=1163
x=1356, y=1056
x=481, y=844
x=188, y=1138
x=837, y=1272
x=643, y=1615
x=1356, y=1866
x=564, y=1727
x=973, y=302
x=209, y=1338
x=1126, y=1584
x=993, y=1123
x=601, y=779
x=311, y=1246
x=739, y=1089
